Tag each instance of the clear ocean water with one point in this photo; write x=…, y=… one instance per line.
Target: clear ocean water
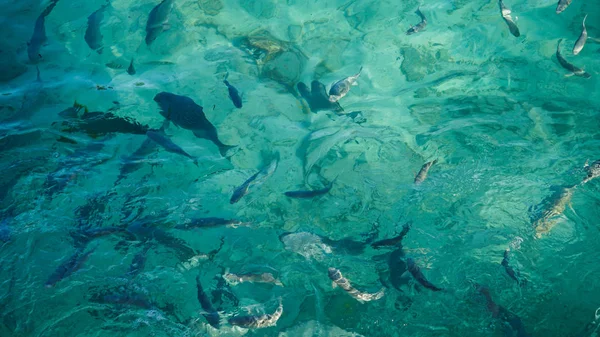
x=142, y=196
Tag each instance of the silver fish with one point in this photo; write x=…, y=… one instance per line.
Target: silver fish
x=581, y=40
x=423, y=172
x=258, y=321
x=235, y=279
x=512, y=26
x=38, y=38
x=339, y=280
x=340, y=88
x=570, y=67
x=158, y=20
x=419, y=26
x=562, y=5
x=548, y=219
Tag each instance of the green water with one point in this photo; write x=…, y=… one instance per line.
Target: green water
x=508, y=129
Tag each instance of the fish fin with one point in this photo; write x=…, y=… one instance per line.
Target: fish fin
x=166, y=26
x=405, y=275
x=333, y=285
x=569, y=75
x=355, y=83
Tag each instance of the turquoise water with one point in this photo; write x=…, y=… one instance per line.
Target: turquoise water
x=510, y=132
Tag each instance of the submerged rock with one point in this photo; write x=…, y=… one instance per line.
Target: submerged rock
x=265, y=9
x=278, y=60
x=211, y=7
x=415, y=64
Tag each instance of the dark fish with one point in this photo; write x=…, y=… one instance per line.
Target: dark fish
x=83, y=237
x=145, y=230
x=82, y=160
x=158, y=20
x=17, y=140
x=340, y=88
x=4, y=230
x=255, y=180
x=317, y=97
x=68, y=267
x=139, y=262
x=258, y=321
x=39, y=34
x=131, y=69
x=135, y=161
x=233, y=94
x=512, y=26
x=99, y=123
x=310, y=194
x=222, y=295
x=93, y=35
x=399, y=275
x=419, y=26
x=513, y=321
x=570, y=67
x=185, y=113
x=339, y=280
x=243, y=189
x=416, y=272
x=67, y=140
x=422, y=175
x=562, y=5
x=509, y=270
x=392, y=242
x=167, y=144
x=581, y=40
x=211, y=315
x=209, y=222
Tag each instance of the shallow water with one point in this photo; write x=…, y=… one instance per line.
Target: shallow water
x=509, y=130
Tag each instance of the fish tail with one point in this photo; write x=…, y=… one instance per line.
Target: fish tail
x=50, y=7
x=420, y=14
x=583, y=23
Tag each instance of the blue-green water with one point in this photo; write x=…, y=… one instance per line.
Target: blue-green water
x=510, y=132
